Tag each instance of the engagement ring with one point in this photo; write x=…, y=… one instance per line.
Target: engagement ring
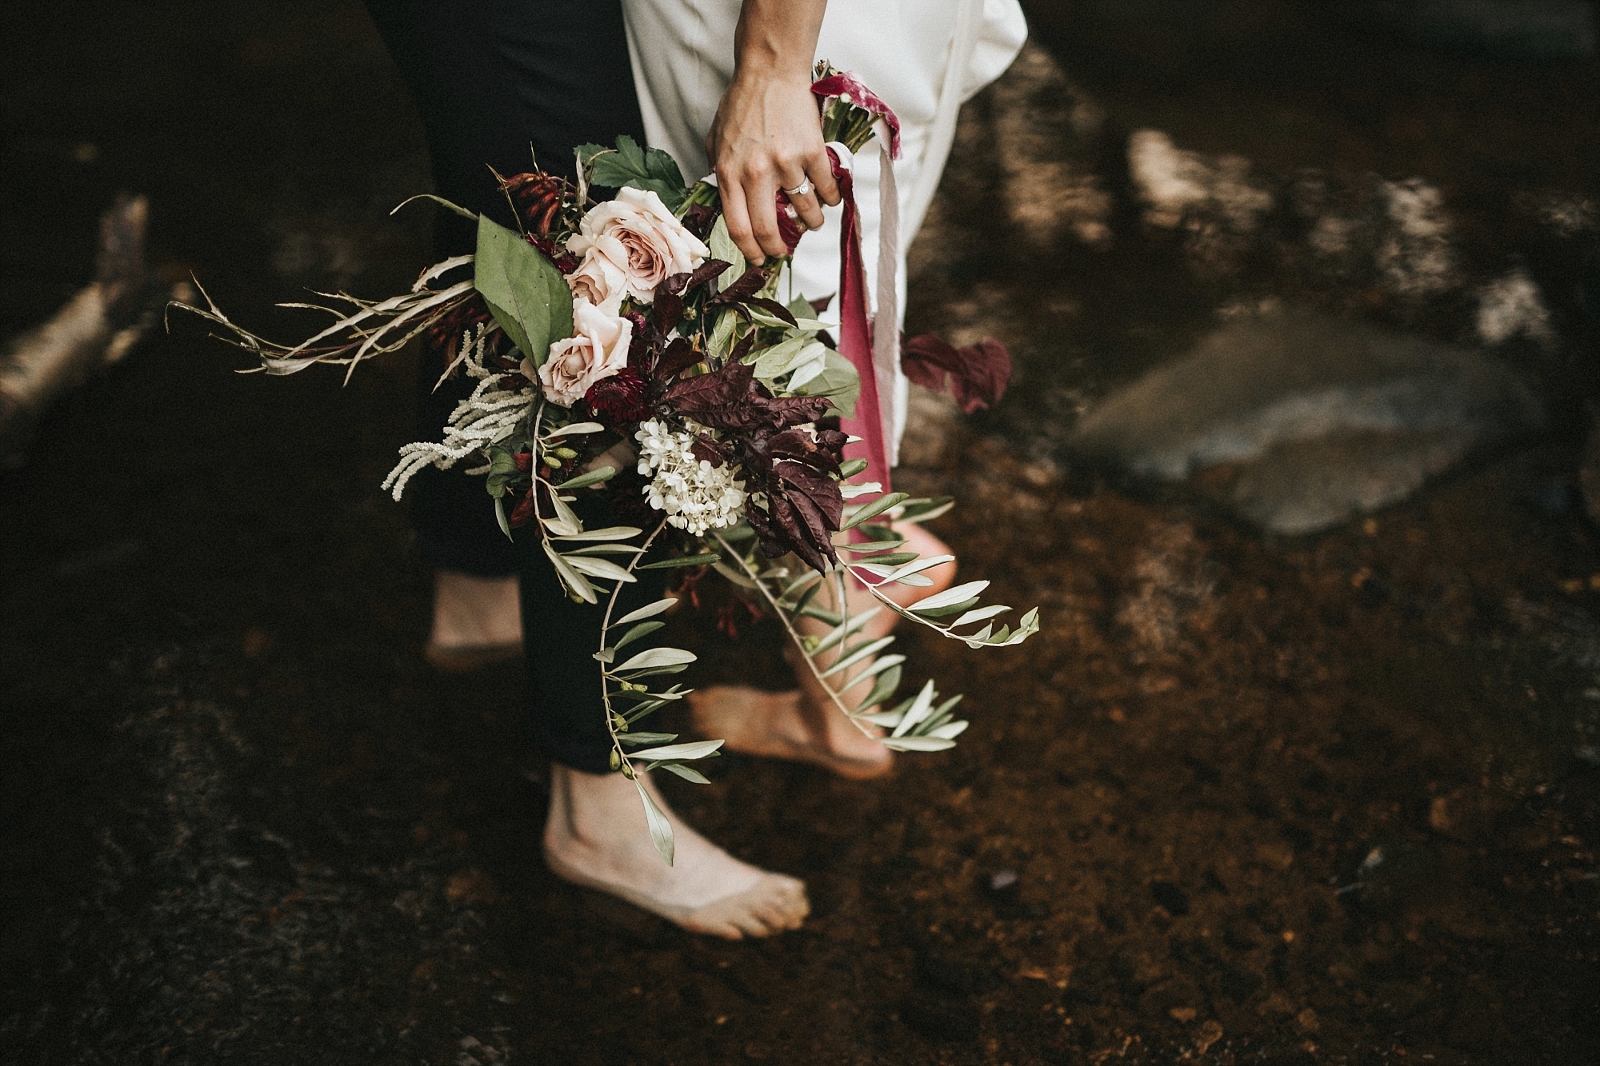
x=799, y=190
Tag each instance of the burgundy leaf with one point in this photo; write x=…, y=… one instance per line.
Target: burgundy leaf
x=772, y=307
x=748, y=285
x=679, y=356
x=742, y=349
x=710, y=451
x=699, y=219
x=791, y=533
x=665, y=313
x=976, y=375
x=711, y=268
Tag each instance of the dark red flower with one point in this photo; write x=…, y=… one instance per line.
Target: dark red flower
x=538, y=198
x=619, y=399
x=564, y=260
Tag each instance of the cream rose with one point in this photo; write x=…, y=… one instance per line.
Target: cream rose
x=597, y=349
x=601, y=282
x=637, y=235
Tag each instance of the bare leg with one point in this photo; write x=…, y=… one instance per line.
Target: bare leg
x=476, y=621
x=806, y=725
x=596, y=836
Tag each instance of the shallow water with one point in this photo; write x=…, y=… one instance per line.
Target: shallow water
x=1242, y=800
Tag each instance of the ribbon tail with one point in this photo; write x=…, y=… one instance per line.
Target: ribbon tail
x=855, y=344
x=886, y=319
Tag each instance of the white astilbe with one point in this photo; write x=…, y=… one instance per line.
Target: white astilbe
x=490, y=414
x=695, y=495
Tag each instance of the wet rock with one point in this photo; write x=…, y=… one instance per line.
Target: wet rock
x=1298, y=421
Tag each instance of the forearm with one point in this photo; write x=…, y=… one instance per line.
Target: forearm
x=777, y=39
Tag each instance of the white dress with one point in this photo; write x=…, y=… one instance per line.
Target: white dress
x=922, y=57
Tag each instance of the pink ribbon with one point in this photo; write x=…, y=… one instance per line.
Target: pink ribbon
x=855, y=338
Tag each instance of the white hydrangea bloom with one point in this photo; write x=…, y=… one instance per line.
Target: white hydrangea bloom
x=695, y=495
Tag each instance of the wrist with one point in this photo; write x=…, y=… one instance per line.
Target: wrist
x=770, y=62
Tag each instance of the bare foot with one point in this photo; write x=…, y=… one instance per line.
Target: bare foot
x=476, y=621
x=806, y=725
x=777, y=725
x=596, y=837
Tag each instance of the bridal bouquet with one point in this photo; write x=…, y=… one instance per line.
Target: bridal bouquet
x=631, y=331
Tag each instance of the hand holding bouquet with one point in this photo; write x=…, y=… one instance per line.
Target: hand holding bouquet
x=632, y=331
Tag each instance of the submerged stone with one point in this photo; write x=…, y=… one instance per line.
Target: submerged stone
x=1299, y=421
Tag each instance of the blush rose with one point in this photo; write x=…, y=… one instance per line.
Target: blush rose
x=636, y=235
x=597, y=349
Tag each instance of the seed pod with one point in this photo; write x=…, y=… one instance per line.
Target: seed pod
x=616, y=759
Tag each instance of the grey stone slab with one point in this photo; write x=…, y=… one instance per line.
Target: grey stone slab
x=1303, y=421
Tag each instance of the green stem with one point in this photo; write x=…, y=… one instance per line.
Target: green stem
x=794, y=634
x=605, y=629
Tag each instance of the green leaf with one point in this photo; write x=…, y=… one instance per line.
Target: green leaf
x=593, y=477
x=608, y=533
x=606, y=549
x=660, y=828
x=858, y=515
x=838, y=381
x=851, y=468
x=889, y=560
x=640, y=168
x=926, y=510
x=879, y=665
x=871, y=546
x=653, y=658
x=949, y=596
x=574, y=427
x=647, y=611
x=980, y=614
x=708, y=559
x=917, y=743
x=884, y=687
x=719, y=344
x=502, y=471
x=920, y=708
x=688, y=773
x=571, y=578
x=500, y=516
x=601, y=568
x=566, y=522
x=647, y=738
x=844, y=629
x=723, y=248
x=643, y=629
x=855, y=655
x=525, y=292
x=694, y=749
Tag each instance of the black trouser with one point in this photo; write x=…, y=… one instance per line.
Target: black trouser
x=499, y=83
x=496, y=80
